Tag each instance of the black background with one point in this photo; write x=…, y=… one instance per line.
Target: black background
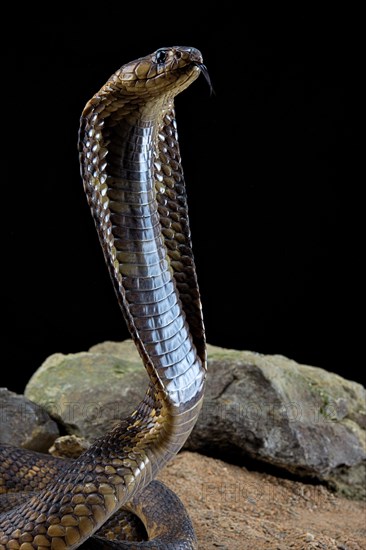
x=269, y=162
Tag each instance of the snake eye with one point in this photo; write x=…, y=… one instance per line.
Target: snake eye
x=161, y=56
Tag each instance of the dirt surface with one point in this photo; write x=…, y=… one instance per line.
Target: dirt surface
x=234, y=509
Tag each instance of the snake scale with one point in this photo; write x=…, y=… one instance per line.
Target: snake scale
x=133, y=178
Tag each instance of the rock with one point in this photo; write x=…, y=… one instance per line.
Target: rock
x=69, y=446
x=89, y=392
x=125, y=349
x=25, y=424
x=301, y=419
x=298, y=418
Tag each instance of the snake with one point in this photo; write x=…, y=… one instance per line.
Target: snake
x=132, y=175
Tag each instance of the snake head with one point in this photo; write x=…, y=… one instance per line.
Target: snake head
x=159, y=76
x=167, y=69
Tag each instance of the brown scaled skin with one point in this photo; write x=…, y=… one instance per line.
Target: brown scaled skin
x=132, y=175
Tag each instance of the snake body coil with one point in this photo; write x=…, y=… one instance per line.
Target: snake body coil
x=133, y=179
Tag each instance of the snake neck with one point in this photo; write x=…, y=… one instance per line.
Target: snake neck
x=132, y=232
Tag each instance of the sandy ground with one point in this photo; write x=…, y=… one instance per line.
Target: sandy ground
x=234, y=509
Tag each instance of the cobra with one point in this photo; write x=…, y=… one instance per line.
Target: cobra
x=133, y=178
